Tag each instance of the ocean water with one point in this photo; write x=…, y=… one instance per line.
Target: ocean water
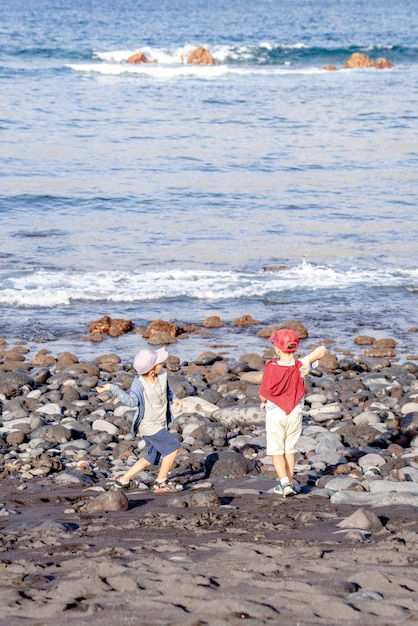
x=263, y=185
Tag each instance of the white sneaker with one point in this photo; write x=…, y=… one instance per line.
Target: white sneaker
x=289, y=491
x=278, y=489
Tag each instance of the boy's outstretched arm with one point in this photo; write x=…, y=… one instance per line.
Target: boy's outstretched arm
x=313, y=356
x=316, y=354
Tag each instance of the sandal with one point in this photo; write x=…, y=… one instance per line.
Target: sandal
x=118, y=485
x=165, y=487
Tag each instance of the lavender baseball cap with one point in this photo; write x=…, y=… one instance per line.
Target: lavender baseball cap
x=145, y=360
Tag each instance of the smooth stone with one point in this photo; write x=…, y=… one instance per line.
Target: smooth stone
x=367, y=417
x=239, y=416
x=311, y=430
x=328, y=442
x=122, y=410
x=306, y=444
x=259, y=441
x=189, y=429
x=15, y=416
x=339, y=483
x=362, y=519
x=108, y=501
x=54, y=433
x=228, y=463
x=409, y=473
x=254, y=378
x=321, y=493
x=70, y=477
x=203, y=499
x=409, y=421
x=15, y=437
x=325, y=413
x=37, y=442
x=374, y=499
x=387, y=486
x=105, y=426
x=99, y=413
x=195, y=404
x=239, y=441
x=328, y=457
x=371, y=460
x=31, y=421
x=312, y=398
x=80, y=444
x=409, y=407
x=202, y=485
x=35, y=394
x=49, y=409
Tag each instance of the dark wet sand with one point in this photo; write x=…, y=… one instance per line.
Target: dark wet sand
x=257, y=559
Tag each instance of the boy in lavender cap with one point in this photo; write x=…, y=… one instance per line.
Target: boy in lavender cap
x=152, y=395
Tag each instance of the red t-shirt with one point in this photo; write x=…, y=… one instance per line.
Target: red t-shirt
x=283, y=384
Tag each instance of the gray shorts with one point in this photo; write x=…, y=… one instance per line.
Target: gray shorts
x=159, y=445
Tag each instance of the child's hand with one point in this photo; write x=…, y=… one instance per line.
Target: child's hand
x=103, y=388
x=263, y=405
x=305, y=369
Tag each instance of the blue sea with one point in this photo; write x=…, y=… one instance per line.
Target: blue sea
x=263, y=185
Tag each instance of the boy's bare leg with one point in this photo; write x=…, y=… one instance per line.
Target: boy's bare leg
x=166, y=465
x=290, y=464
x=284, y=464
x=137, y=467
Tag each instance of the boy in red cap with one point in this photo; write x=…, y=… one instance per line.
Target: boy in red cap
x=281, y=393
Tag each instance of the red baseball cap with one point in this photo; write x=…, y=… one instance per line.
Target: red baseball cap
x=285, y=339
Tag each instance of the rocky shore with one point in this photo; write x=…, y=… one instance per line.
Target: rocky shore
x=225, y=549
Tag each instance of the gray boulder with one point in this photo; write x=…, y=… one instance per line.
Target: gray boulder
x=12, y=382
x=228, y=464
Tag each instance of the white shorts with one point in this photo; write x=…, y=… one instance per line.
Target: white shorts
x=282, y=431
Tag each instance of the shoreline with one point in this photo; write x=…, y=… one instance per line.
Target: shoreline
x=228, y=341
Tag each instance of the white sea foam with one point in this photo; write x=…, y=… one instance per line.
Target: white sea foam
x=153, y=69
x=179, y=54
x=49, y=289
x=162, y=55
x=208, y=72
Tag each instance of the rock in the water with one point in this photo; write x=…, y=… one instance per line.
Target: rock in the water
x=213, y=321
x=358, y=60
x=138, y=57
x=383, y=64
x=201, y=56
x=245, y=320
x=108, y=326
